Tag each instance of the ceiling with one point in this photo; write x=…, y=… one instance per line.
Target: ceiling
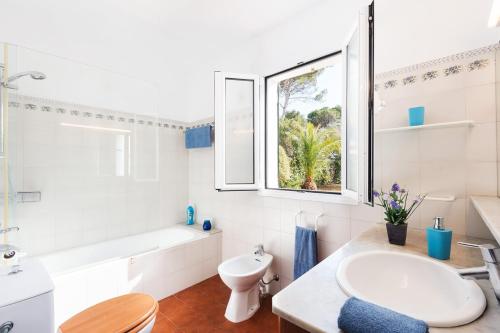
x=172, y=28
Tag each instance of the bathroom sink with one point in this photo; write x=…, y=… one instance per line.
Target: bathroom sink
x=417, y=286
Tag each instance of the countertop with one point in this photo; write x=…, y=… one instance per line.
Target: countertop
x=313, y=301
x=489, y=210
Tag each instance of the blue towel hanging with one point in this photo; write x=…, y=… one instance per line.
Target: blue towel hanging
x=306, y=251
x=199, y=137
x=358, y=316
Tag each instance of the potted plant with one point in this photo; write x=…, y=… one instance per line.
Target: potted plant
x=396, y=212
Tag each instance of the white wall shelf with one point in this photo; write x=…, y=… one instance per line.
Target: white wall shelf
x=462, y=123
x=445, y=198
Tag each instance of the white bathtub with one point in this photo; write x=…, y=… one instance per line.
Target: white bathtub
x=159, y=263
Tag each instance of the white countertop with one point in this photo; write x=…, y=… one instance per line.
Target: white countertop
x=313, y=301
x=489, y=210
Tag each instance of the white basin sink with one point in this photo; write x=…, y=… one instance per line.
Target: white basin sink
x=417, y=286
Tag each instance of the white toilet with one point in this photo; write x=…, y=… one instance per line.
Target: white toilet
x=242, y=274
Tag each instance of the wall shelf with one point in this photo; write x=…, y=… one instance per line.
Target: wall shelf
x=462, y=123
x=445, y=198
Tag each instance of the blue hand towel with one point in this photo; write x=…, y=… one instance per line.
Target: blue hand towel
x=306, y=251
x=357, y=316
x=199, y=137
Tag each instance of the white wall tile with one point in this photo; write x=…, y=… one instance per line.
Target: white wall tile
x=443, y=144
x=480, y=103
x=445, y=178
x=481, y=145
x=482, y=178
x=84, y=200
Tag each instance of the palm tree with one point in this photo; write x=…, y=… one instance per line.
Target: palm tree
x=315, y=148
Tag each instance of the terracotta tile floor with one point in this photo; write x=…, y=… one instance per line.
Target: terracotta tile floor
x=201, y=308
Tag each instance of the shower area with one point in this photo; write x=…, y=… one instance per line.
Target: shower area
x=84, y=155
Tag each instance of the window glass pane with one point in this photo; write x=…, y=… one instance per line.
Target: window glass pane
x=239, y=138
x=352, y=101
x=306, y=101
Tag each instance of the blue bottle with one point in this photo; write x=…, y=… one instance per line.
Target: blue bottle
x=190, y=215
x=439, y=240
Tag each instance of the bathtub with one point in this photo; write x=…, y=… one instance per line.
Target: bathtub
x=159, y=263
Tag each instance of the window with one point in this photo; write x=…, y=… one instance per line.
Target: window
x=236, y=131
x=304, y=127
x=305, y=132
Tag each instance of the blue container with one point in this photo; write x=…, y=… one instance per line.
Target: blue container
x=416, y=116
x=207, y=225
x=439, y=243
x=190, y=215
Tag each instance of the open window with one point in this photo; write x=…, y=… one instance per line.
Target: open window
x=316, y=126
x=236, y=131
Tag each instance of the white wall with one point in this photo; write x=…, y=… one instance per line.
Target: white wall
x=407, y=32
x=456, y=161
x=77, y=83
x=95, y=184
x=410, y=32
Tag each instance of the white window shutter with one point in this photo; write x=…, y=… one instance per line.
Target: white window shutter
x=237, y=124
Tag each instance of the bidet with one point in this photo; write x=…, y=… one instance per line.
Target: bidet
x=242, y=275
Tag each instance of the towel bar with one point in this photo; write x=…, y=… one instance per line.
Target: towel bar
x=316, y=220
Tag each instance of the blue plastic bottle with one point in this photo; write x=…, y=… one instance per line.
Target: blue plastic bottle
x=190, y=215
x=439, y=240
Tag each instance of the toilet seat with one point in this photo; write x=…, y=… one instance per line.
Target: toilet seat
x=124, y=314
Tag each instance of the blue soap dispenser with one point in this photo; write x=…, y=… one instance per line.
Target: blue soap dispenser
x=439, y=240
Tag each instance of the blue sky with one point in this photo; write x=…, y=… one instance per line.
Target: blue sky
x=331, y=79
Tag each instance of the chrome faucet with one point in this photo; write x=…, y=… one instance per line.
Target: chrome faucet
x=4, y=231
x=8, y=247
x=259, y=250
x=491, y=269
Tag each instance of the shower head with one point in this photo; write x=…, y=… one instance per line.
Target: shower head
x=33, y=74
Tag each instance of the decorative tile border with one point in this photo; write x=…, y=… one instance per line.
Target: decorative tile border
x=478, y=61
x=26, y=103
x=202, y=122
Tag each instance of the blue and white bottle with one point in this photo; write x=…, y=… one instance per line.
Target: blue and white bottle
x=190, y=215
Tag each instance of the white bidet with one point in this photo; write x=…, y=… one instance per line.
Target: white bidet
x=242, y=274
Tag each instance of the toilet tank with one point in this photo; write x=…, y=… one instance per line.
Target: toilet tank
x=26, y=299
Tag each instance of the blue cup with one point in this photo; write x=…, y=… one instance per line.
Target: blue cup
x=416, y=116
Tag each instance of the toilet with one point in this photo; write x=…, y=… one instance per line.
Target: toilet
x=131, y=313
x=242, y=275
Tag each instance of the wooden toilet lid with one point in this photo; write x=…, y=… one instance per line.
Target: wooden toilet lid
x=123, y=314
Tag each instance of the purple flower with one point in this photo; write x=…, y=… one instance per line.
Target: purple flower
x=376, y=194
x=395, y=205
x=395, y=187
x=386, y=196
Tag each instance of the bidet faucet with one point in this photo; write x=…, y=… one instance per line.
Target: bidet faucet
x=491, y=269
x=259, y=250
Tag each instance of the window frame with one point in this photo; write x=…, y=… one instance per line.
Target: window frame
x=271, y=190
x=364, y=157
x=220, y=181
